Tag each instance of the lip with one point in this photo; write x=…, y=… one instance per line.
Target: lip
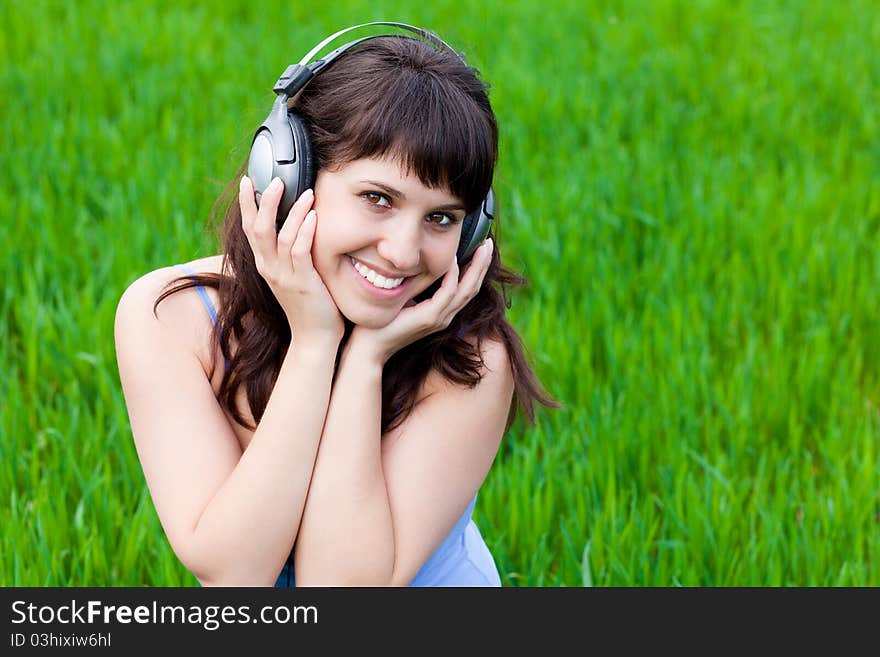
x=378, y=291
x=381, y=272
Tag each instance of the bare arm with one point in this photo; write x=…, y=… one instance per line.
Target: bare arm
x=254, y=515
x=377, y=509
x=231, y=518
x=346, y=537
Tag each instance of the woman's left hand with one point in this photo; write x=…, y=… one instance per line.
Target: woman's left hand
x=416, y=321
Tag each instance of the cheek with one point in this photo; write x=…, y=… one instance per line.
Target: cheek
x=324, y=248
x=335, y=222
x=442, y=254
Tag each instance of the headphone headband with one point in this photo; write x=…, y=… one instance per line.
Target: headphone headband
x=425, y=34
x=297, y=75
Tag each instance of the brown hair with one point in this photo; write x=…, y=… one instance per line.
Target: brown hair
x=389, y=96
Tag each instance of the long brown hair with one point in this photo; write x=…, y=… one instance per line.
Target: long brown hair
x=389, y=96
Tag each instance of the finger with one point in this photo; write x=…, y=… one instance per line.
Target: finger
x=248, y=206
x=472, y=280
x=288, y=233
x=477, y=271
x=247, y=203
x=442, y=306
x=445, y=293
x=302, y=247
x=262, y=236
x=268, y=210
x=479, y=263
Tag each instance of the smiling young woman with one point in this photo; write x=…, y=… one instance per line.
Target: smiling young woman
x=337, y=408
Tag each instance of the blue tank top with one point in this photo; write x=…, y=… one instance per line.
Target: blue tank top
x=463, y=558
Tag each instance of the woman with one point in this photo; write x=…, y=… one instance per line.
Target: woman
x=327, y=400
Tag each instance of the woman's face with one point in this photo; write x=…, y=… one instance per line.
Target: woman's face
x=376, y=220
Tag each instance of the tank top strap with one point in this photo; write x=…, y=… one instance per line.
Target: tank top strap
x=206, y=300
x=203, y=294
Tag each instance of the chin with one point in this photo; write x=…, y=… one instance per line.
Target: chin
x=370, y=318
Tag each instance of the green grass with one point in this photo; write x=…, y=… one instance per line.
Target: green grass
x=692, y=188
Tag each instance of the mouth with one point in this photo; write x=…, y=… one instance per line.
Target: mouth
x=380, y=287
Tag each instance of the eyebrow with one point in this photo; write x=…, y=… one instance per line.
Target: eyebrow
x=395, y=193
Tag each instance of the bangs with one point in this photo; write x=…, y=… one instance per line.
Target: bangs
x=432, y=133
x=438, y=127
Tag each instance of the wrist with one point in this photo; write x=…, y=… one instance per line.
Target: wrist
x=364, y=352
x=315, y=349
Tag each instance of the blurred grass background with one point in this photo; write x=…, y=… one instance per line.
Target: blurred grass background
x=692, y=188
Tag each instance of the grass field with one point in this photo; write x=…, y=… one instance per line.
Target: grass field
x=692, y=189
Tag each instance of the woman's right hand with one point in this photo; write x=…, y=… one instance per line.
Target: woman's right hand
x=285, y=262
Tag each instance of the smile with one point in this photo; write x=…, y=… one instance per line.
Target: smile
x=376, y=279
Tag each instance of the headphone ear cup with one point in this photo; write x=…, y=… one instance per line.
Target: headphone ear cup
x=306, y=168
x=298, y=173
x=467, y=232
x=475, y=229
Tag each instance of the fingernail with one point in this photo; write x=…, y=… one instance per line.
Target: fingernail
x=275, y=184
x=242, y=181
x=489, y=245
x=309, y=192
x=311, y=216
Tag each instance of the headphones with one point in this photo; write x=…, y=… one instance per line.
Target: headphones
x=281, y=146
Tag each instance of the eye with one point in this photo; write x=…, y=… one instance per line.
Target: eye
x=377, y=199
x=438, y=218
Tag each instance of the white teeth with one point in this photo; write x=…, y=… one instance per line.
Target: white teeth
x=376, y=279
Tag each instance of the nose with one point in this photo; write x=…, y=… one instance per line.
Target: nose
x=400, y=244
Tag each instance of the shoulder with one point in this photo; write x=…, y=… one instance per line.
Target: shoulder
x=495, y=363
x=181, y=318
x=496, y=360
x=496, y=377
